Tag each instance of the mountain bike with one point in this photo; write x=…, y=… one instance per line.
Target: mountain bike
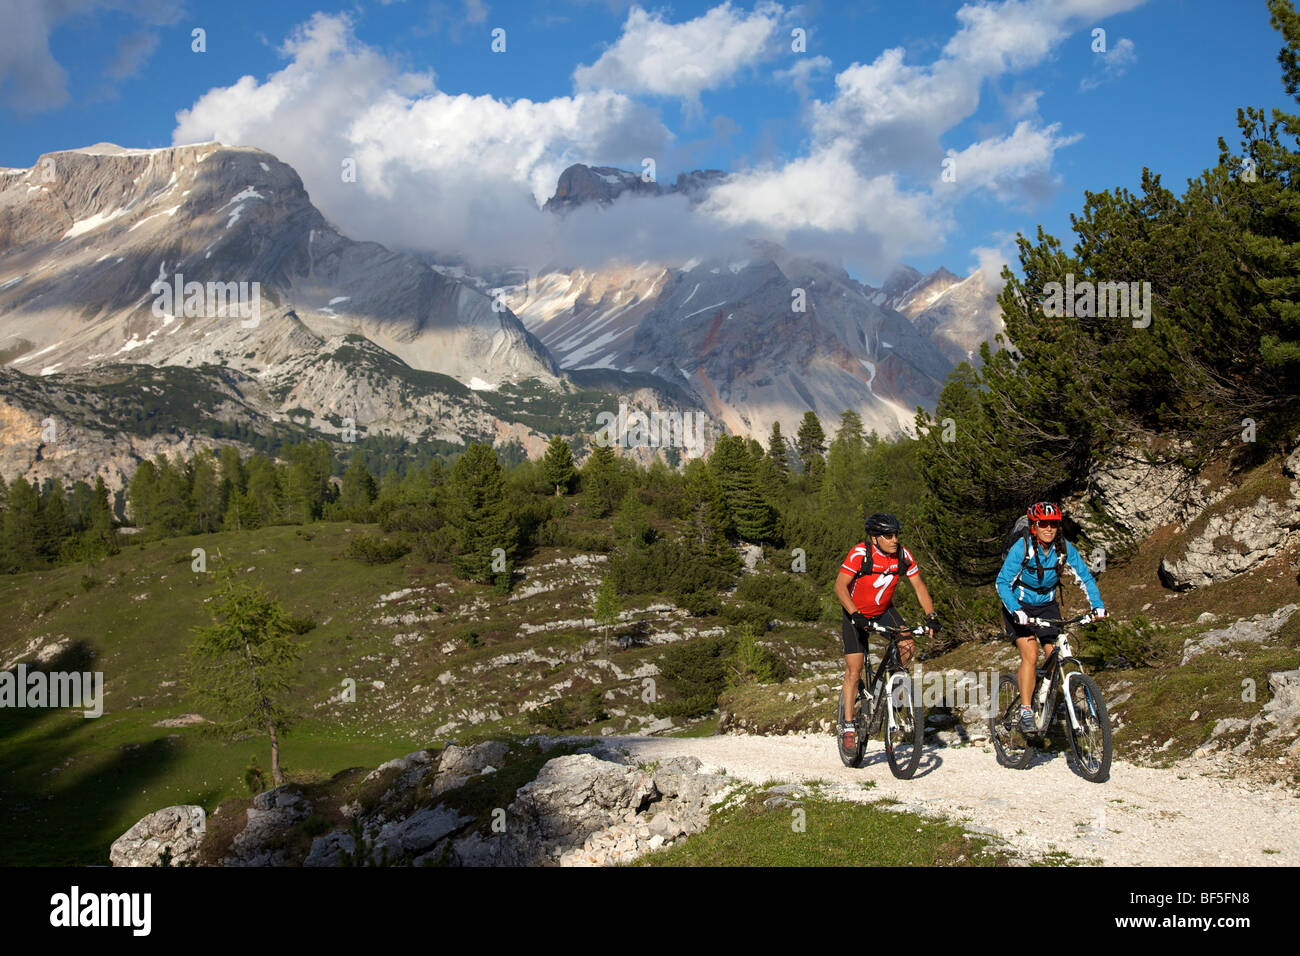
x=890, y=699
x=1087, y=723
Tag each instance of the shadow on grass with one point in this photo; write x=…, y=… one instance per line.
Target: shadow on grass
x=44, y=823
x=77, y=658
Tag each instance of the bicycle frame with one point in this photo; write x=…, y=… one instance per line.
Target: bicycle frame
x=1061, y=657
x=893, y=662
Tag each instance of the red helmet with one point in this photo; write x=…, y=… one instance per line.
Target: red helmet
x=1044, y=511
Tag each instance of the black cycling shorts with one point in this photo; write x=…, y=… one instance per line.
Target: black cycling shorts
x=1046, y=635
x=855, y=641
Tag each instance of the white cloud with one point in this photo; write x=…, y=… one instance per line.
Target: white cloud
x=990, y=259
x=801, y=74
x=823, y=199
x=1008, y=165
x=683, y=59
x=434, y=170
x=467, y=174
x=895, y=113
x=1112, y=65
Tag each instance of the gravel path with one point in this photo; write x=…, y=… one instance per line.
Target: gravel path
x=1141, y=817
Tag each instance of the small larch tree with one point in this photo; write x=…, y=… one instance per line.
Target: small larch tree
x=241, y=665
x=607, y=607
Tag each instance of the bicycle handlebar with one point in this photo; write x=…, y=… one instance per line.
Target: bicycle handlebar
x=1079, y=619
x=916, y=631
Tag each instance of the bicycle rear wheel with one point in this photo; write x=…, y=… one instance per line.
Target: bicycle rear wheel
x=851, y=756
x=905, y=733
x=1091, y=743
x=1012, y=747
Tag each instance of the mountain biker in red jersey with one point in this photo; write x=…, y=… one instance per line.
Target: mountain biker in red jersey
x=865, y=589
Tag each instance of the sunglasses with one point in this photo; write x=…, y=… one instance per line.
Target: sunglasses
x=891, y=536
x=1048, y=524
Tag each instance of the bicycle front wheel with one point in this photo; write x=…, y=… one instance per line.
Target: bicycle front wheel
x=1090, y=743
x=1012, y=747
x=904, y=727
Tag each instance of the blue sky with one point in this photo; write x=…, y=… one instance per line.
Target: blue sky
x=838, y=148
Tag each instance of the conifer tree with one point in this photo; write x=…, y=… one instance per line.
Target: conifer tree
x=21, y=525
x=142, y=496
x=240, y=666
x=358, y=492
x=602, y=482
x=810, y=439
x=205, y=492
x=52, y=526
x=100, y=536
x=479, y=514
x=606, y=609
x=557, y=465
x=736, y=472
x=777, y=453
x=631, y=529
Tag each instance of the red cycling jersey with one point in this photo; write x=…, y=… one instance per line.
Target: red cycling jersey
x=873, y=591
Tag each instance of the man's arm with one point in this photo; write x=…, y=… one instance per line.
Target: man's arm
x=842, y=592
x=922, y=593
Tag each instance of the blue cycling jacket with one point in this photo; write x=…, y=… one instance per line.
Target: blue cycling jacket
x=1015, y=598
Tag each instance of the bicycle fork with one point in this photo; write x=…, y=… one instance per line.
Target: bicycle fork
x=891, y=725
x=1044, y=717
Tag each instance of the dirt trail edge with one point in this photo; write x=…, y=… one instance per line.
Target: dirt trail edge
x=1142, y=816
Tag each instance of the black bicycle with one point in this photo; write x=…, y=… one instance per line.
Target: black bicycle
x=1087, y=724
x=892, y=700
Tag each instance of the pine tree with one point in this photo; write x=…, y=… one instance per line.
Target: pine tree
x=811, y=444
x=205, y=493
x=306, y=481
x=52, y=527
x=736, y=471
x=240, y=666
x=100, y=537
x=142, y=496
x=232, y=475
x=705, y=531
x=264, y=494
x=631, y=529
x=79, y=499
x=557, y=465
x=602, y=483
x=777, y=453
x=479, y=515
x=173, y=511
x=21, y=525
x=358, y=493
x=846, y=482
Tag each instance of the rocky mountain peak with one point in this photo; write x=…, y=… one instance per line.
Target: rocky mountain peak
x=581, y=184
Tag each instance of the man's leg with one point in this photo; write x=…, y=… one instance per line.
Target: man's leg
x=855, y=653
x=852, y=672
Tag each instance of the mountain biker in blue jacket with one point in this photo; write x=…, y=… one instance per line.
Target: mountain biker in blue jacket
x=1029, y=586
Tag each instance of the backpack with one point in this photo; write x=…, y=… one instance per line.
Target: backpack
x=865, y=569
x=1020, y=535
